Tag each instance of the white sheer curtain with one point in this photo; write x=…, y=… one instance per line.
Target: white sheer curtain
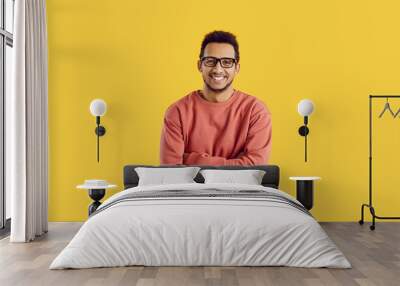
x=26, y=124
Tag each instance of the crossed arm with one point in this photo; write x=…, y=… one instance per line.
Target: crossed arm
x=256, y=151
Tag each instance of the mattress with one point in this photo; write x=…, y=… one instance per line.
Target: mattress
x=201, y=225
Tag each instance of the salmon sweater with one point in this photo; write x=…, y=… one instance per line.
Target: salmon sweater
x=199, y=132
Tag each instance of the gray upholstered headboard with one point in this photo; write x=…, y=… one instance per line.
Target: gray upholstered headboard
x=271, y=177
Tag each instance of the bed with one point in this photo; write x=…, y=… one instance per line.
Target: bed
x=201, y=224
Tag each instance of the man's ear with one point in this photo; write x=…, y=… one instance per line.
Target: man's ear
x=237, y=68
x=199, y=65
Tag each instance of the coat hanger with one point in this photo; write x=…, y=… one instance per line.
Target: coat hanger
x=397, y=113
x=387, y=107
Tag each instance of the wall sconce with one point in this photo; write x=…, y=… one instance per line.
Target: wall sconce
x=305, y=108
x=98, y=107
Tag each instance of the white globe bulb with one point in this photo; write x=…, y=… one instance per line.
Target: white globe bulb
x=98, y=107
x=305, y=107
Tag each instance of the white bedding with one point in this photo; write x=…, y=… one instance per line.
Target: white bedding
x=185, y=231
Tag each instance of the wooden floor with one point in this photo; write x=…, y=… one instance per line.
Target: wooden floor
x=375, y=257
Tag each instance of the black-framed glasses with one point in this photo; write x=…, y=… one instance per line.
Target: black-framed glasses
x=213, y=61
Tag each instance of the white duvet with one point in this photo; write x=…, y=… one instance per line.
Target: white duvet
x=200, y=231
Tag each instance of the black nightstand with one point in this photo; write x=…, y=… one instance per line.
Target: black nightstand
x=96, y=193
x=305, y=190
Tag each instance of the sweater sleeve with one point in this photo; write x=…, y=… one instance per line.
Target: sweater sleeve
x=257, y=147
x=195, y=158
x=172, y=142
x=259, y=139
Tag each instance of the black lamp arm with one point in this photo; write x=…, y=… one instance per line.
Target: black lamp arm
x=303, y=131
x=100, y=131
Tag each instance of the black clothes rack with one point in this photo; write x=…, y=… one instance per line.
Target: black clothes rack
x=369, y=205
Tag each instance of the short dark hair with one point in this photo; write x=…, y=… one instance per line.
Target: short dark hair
x=220, y=37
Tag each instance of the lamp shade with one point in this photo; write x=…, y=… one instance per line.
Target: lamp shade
x=305, y=107
x=98, y=107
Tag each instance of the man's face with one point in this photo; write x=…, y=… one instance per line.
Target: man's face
x=218, y=78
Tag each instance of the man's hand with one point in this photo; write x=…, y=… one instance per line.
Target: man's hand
x=195, y=158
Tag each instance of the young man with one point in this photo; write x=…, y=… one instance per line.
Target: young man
x=217, y=125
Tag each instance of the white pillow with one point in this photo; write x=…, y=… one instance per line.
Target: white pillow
x=249, y=177
x=165, y=176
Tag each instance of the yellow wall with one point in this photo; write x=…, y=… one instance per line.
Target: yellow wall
x=140, y=56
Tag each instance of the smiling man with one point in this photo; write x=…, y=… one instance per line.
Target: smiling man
x=217, y=125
